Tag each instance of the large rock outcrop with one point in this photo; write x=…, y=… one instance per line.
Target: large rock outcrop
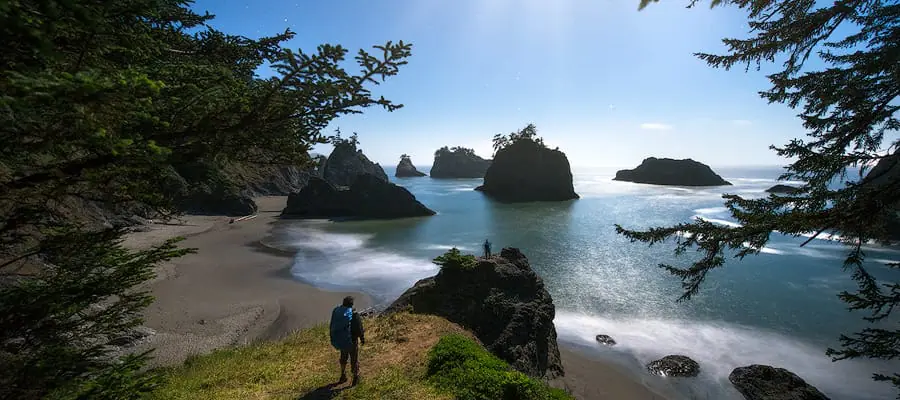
x=346, y=162
x=887, y=172
x=368, y=197
x=503, y=301
x=763, y=382
x=406, y=169
x=666, y=171
x=783, y=189
x=458, y=162
x=526, y=170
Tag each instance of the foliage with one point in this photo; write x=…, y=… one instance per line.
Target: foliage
x=527, y=133
x=404, y=157
x=337, y=141
x=451, y=151
x=850, y=111
x=101, y=102
x=458, y=364
x=453, y=259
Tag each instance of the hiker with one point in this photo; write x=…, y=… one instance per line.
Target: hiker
x=487, y=248
x=346, y=335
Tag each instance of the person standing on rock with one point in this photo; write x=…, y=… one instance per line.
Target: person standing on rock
x=487, y=248
x=347, y=334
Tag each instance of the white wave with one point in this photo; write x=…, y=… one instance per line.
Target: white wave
x=885, y=261
x=711, y=210
x=721, y=347
x=342, y=261
x=765, y=249
x=446, y=247
x=718, y=221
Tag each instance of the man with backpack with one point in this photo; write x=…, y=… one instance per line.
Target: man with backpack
x=347, y=334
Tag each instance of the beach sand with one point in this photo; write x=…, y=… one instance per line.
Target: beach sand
x=236, y=290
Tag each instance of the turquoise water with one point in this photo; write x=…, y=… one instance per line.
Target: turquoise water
x=777, y=308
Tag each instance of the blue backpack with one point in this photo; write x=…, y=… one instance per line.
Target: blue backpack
x=340, y=327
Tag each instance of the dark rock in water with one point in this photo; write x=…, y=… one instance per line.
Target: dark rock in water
x=763, y=382
x=458, y=162
x=528, y=171
x=606, y=339
x=666, y=171
x=346, y=162
x=674, y=365
x=503, y=301
x=784, y=189
x=406, y=169
x=367, y=197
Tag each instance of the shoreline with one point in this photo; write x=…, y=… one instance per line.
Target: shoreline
x=238, y=289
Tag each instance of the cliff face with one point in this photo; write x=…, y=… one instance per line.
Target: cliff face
x=458, y=163
x=367, y=197
x=503, y=301
x=345, y=163
x=527, y=171
x=887, y=171
x=666, y=171
x=406, y=169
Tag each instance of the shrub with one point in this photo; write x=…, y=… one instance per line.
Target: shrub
x=453, y=259
x=464, y=368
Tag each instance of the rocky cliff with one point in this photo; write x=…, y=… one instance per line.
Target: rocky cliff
x=458, y=162
x=526, y=170
x=367, y=197
x=346, y=162
x=887, y=172
x=406, y=169
x=503, y=301
x=666, y=171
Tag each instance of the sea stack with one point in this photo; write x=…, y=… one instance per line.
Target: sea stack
x=503, y=301
x=667, y=171
x=458, y=162
x=783, y=189
x=369, y=197
x=406, y=169
x=885, y=172
x=346, y=162
x=526, y=170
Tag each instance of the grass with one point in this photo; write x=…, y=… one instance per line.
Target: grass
x=406, y=356
x=392, y=365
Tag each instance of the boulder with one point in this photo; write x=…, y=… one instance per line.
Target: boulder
x=783, y=189
x=458, y=162
x=406, y=169
x=674, y=365
x=369, y=197
x=606, y=339
x=346, y=162
x=763, y=382
x=666, y=171
x=503, y=301
x=527, y=170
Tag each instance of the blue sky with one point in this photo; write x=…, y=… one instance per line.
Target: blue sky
x=608, y=84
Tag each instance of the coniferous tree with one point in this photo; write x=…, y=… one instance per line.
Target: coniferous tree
x=850, y=111
x=99, y=100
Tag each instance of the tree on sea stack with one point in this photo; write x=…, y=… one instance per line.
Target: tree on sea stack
x=850, y=111
x=100, y=100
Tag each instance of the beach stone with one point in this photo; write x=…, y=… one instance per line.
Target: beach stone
x=406, y=169
x=368, y=197
x=674, y=365
x=606, y=339
x=526, y=171
x=503, y=301
x=764, y=382
x=458, y=162
x=346, y=162
x=666, y=171
x=132, y=337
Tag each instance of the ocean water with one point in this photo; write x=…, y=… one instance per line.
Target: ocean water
x=778, y=308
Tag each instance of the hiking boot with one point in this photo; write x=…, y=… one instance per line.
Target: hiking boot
x=355, y=380
x=343, y=378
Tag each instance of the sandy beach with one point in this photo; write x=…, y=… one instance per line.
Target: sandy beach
x=236, y=289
